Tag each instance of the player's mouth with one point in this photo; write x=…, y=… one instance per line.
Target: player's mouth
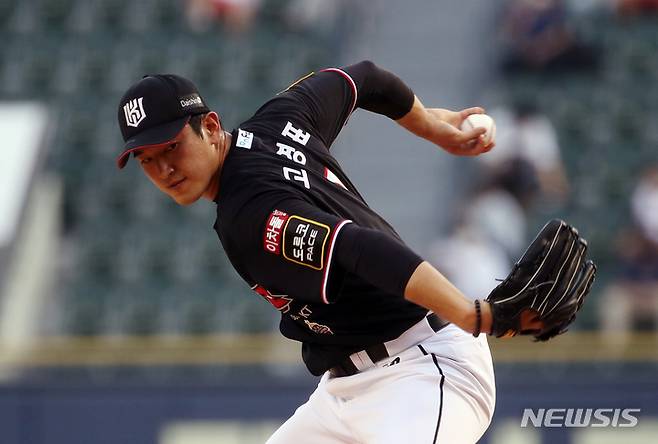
x=176, y=185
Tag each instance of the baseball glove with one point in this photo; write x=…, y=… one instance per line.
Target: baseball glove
x=550, y=281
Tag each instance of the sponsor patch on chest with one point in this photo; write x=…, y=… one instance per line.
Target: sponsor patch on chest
x=245, y=139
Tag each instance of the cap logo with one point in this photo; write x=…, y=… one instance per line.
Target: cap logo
x=134, y=112
x=192, y=100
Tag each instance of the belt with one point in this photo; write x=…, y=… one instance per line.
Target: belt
x=359, y=361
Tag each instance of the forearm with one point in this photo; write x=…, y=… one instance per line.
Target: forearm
x=441, y=127
x=428, y=288
x=420, y=121
x=382, y=92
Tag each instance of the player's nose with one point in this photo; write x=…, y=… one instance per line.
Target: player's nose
x=165, y=169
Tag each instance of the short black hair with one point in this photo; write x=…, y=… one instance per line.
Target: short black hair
x=195, y=123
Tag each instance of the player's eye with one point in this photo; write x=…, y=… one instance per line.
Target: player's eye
x=171, y=147
x=144, y=160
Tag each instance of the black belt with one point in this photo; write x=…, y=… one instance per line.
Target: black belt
x=378, y=352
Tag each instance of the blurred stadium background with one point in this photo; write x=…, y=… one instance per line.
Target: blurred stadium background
x=120, y=318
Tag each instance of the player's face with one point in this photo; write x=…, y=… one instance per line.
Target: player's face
x=188, y=168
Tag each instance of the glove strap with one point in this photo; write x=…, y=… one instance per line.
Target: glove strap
x=478, y=323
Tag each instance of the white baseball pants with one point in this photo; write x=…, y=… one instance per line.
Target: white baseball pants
x=440, y=390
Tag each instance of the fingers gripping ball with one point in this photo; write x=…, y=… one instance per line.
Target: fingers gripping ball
x=548, y=283
x=481, y=121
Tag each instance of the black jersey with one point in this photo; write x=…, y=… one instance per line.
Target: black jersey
x=282, y=203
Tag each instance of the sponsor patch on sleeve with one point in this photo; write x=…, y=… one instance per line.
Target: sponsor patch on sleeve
x=304, y=241
x=274, y=231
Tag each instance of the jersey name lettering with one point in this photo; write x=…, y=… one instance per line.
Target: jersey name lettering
x=296, y=134
x=291, y=153
x=297, y=175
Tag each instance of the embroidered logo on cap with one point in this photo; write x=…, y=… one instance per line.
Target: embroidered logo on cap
x=192, y=100
x=134, y=112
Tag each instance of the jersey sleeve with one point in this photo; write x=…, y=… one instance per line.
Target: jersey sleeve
x=299, y=250
x=331, y=95
x=288, y=247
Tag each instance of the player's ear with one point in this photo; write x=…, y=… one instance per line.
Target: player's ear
x=211, y=124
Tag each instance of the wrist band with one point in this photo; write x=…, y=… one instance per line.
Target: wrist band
x=478, y=323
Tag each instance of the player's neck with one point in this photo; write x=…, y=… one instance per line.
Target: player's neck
x=212, y=192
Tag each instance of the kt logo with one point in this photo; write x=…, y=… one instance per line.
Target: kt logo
x=134, y=112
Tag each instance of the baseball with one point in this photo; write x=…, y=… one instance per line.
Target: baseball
x=481, y=121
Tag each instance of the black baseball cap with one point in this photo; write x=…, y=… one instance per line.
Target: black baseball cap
x=155, y=110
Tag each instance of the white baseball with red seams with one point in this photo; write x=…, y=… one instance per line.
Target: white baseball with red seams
x=481, y=121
